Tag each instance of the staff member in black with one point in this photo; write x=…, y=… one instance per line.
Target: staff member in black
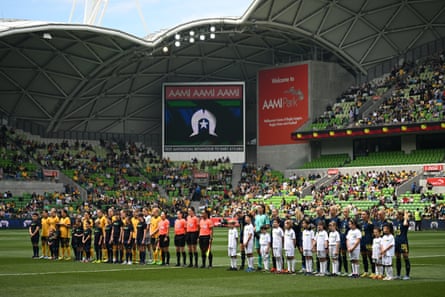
x=34, y=231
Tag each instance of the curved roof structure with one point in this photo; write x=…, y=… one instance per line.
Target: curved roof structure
x=67, y=77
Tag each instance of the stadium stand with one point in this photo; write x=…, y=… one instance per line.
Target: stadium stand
x=417, y=96
x=421, y=156
x=328, y=161
x=399, y=157
x=347, y=107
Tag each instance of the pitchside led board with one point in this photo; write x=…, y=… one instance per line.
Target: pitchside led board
x=204, y=121
x=282, y=103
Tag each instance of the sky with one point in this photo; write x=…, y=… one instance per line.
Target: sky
x=124, y=14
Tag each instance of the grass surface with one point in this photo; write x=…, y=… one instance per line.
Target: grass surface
x=22, y=276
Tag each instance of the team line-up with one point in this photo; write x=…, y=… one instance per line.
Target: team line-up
x=331, y=240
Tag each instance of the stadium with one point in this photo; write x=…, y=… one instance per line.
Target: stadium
x=299, y=106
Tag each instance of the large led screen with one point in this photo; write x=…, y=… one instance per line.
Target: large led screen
x=206, y=117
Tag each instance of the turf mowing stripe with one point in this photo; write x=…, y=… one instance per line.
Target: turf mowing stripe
x=159, y=268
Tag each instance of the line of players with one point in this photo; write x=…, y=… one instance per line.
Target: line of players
x=117, y=233
x=377, y=242
x=121, y=233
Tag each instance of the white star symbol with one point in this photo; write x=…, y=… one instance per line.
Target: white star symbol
x=203, y=124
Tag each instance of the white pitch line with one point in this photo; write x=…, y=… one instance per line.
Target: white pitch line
x=83, y=271
x=426, y=256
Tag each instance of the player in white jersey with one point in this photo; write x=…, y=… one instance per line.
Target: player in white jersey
x=353, y=245
x=232, y=243
x=277, y=245
x=290, y=242
x=265, y=247
x=248, y=238
x=376, y=249
x=334, y=247
x=307, y=245
x=387, y=251
x=321, y=244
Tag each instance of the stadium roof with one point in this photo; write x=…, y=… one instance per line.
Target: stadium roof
x=70, y=77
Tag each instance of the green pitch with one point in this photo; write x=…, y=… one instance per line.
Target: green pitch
x=22, y=276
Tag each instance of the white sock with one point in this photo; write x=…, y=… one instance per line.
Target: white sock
x=250, y=262
x=309, y=265
x=334, y=267
x=323, y=267
x=288, y=264
x=381, y=269
x=292, y=265
x=389, y=271
x=353, y=268
x=357, y=268
x=266, y=262
x=279, y=263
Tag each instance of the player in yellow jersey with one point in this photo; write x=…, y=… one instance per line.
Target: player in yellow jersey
x=154, y=235
x=53, y=222
x=65, y=225
x=45, y=234
x=134, y=221
x=53, y=219
x=102, y=223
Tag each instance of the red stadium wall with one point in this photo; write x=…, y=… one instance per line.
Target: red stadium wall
x=283, y=103
x=305, y=90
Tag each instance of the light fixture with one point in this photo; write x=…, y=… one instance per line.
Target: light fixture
x=165, y=49
x=193, y=36
x=47, y=36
